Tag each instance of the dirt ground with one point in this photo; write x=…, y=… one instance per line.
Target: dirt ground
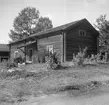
x=92, y=80
x=98, y=96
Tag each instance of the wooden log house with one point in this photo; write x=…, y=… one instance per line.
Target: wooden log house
x=66, y=40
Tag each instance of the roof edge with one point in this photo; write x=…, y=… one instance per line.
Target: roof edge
x=47, y=31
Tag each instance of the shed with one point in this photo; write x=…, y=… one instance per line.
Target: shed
x=4, y=52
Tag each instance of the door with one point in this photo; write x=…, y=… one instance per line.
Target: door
x=30, y=53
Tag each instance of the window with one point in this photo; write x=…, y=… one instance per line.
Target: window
x=82, y=33
x=49, y=48
x=30, y=53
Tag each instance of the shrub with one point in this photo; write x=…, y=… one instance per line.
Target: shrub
x=106, y=56
x=80, y=57
x=11, y=63
x=53, y=61
x=5, y=65
x=99, y=58
x=18, y=59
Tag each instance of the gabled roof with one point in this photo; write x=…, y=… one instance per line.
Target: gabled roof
x=52, y=30
x=59, y=28
x=4, y=47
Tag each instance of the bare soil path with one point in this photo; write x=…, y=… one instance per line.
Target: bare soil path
x=95, y=97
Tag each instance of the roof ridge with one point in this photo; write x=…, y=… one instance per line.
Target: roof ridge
x=57, y=27
x=61, y=25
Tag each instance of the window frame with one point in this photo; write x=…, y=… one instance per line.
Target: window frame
x=83, y=31
x=48, y=48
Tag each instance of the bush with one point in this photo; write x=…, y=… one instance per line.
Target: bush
x=80, y=57
x=5, y=65
x=99, y=58
x=53, y=61
x=11, y=63
x=18, y=59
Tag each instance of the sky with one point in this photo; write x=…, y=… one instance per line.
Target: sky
x=59, y=11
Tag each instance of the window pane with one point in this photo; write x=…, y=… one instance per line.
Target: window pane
x=49, y=48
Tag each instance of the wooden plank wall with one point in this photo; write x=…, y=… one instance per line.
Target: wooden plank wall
x=74, y=41
x=56, y=41
x=14, y=48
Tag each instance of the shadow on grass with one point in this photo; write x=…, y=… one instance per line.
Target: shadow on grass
x=93, y=65
x=61, y=67
x=81, y=87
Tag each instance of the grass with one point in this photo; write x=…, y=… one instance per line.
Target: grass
x=34, y=80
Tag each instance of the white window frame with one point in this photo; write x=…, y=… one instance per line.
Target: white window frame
x=50, y=48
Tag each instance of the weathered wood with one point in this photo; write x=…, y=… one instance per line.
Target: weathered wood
x=65, y=41
x=75, y=41
x=56, y=41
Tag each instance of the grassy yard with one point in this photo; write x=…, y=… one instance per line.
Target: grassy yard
x=35, y=80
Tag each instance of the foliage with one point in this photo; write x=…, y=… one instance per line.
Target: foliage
x=28, y=22
x=53, y=61
x=18, y=60
x=96, y=59
x=43, y=23
x=100, y=57
x=102, y=24
x=80, y=57
x=5, y=65
x=11, y=64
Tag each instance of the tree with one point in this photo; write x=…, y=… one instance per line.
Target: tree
x=44, y=23
x=28, y=22
x=102, y=24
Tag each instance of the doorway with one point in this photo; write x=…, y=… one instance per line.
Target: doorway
x=30, y=54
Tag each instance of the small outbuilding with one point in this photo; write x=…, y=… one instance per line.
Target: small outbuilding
x=4, y=52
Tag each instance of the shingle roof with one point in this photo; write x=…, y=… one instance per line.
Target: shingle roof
x=4, y=47
x=59, y=28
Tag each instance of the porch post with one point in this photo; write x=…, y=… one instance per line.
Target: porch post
x=64, y=36
x=64, y=46
x=25, y=49
x=97, y=45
